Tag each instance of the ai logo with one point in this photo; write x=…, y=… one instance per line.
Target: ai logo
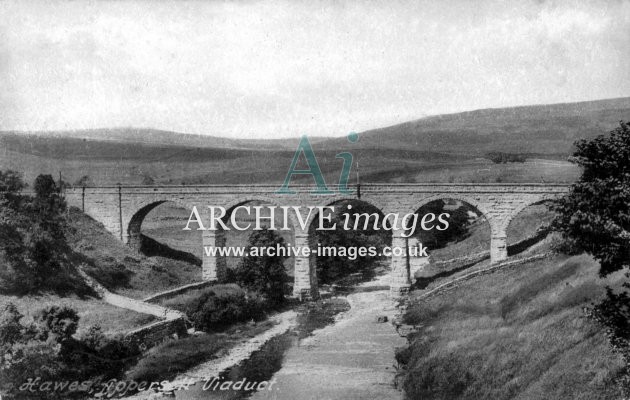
x=304, y=147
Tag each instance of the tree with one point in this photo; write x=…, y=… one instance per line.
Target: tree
x=595, y=217
x=59, y=322
x=148, y=180
x=263, y=273
x=46, y=349
x=85, y=180
x=596, y=212
x=11, y=184
x=332, y=267
x=33, y=247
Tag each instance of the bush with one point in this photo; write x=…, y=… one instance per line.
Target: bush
x=613, y=313
x=47, y=350
x=594, y=217
x=263, y=273
x=213, y=311
x=331, y=268
x=33, y=247
x=61, y=322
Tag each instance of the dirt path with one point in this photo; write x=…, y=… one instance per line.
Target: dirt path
x=352, y=359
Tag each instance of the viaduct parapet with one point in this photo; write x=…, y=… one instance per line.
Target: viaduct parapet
x=121, y=209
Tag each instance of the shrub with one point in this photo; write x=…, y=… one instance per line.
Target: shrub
x=594, y=216
x=331, y=268
x=47, y=350
x=60, y=321
x=264, y=274
x=33, y=247
x=214, y=310
x=218, y=312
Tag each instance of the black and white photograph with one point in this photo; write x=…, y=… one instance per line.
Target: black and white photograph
x=315, y=200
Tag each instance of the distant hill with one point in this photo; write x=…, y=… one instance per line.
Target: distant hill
x=443, y=148
x=542, y=129
x=152, y=137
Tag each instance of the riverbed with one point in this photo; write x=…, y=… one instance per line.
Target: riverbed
x=323, y=354
x=351, y=359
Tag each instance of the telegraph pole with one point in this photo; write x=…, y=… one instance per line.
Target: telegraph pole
x=120, y=219
x=358, y=182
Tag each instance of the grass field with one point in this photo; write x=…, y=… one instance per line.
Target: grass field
x=91, y=311
x=444, y=148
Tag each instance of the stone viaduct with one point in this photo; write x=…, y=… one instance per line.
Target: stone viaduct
x=121, y=209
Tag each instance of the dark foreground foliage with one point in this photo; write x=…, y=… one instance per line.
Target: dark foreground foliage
x=46, y=350
x=595, y=217
x=33, y=246
x=262, y=273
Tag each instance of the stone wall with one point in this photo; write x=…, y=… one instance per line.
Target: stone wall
x=172, y=322
x=158, y=332
x=455, y=263
x=121, y=210
x=453, y=284
x=167, y=294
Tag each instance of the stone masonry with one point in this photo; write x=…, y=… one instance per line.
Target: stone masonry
x=122, y=210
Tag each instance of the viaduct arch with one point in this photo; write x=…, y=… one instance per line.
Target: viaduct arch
x=121, y=209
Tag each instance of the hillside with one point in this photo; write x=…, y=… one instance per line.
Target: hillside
x=520, y=333
x=120, y=268
x=548, y=130
x=444, y=148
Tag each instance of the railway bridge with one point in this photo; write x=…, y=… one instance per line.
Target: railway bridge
x=121, y=209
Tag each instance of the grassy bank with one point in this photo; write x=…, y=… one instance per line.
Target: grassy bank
x=515, y=334
x=120, y=268
x=90, y=310
x=167, y=360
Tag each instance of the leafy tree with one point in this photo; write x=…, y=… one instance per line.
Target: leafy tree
x=47, y=350
x=148, y=180
x=263, y=273
x=333, y=267
x=596, y=212
x=61, y=322
x=48, y=205
x=33, y=247
x=595, y=217
x=85, y=180
x=11, y=184
x=215, y=311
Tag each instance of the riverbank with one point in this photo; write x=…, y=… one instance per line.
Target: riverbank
x=237, y=354
x=518, y=333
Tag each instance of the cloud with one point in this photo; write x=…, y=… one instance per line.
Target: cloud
x=286, y=68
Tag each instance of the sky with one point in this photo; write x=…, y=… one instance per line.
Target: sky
x=273, y=69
